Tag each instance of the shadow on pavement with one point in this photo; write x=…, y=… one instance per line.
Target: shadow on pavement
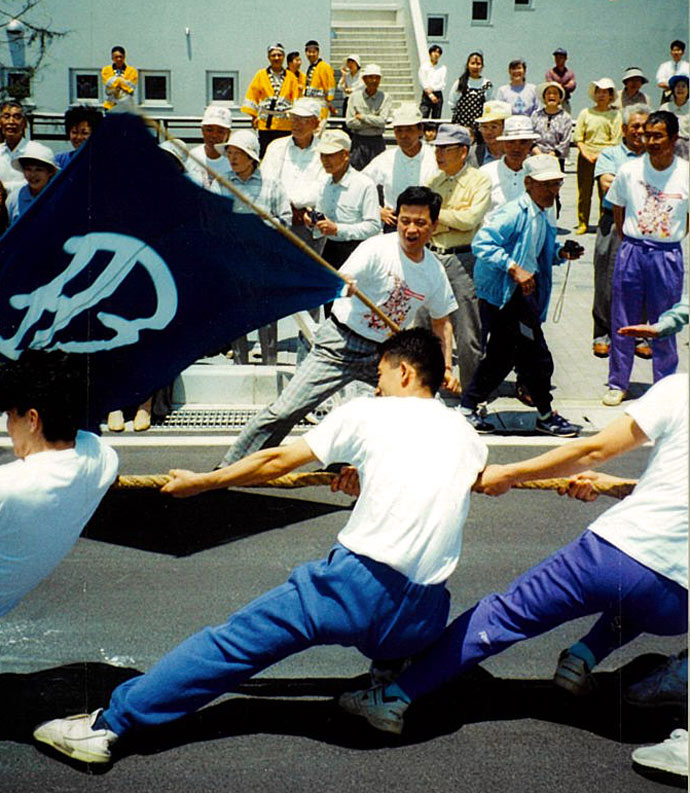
x=146, y=520
x=274, y=706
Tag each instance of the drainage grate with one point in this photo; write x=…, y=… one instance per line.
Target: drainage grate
x=211, y=418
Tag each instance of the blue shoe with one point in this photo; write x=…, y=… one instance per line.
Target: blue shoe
x=477, y=422
x=558, y=426
x=666, y=685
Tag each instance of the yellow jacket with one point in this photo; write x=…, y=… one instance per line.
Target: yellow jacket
x=262, y=103
x=117, y=86
x=321, y=86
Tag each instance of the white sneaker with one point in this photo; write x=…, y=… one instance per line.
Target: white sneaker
x=76, y=737
x=613, y=397
x=670, y=756
x=382, y=712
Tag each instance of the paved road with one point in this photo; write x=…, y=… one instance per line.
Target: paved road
x=152, y=571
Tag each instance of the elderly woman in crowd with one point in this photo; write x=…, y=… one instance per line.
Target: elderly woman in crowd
x=678, y=105
x=37, y=163
x=553, y=125
x=487, y=147
x=470, y=91
x=520, y=95
x=631, y=94
x=80, y=122
x=351, y=79
x=596, y=128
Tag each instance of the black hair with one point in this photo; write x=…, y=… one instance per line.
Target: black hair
x=670, y=120
x=464, y=78
x=75, y=115
x=422, y=350
x=291, y=56
x=517, y=62
x=436, y=48
x=118, y=48
x=678, y=43
x=312, y=43
x=53, y=384
x=415, y=195
x=13, y=103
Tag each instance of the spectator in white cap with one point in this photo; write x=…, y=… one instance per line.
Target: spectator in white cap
x=37, y=164
x=465, y=194
x=411, y=162
x=432, y=78
x=486, y=147
x=270, y=96
x=596, y=128
x=296, y=163
x=631, y=94
x=506, y=175
x=215, y=128
x=347, y=207
x=242, y=151
x=515, y=251
x=367, y=114
x=351, y=78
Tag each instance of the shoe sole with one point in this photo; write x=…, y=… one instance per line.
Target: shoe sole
x=76, y=753
x=572, y=434
x=666, y=769
x=384, y=725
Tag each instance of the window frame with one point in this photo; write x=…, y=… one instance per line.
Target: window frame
x=524, y=5
x=234, y=75
x=443, y=35
x=7, y=71
x=489, y=9
x=141, y=88
x=74, y=74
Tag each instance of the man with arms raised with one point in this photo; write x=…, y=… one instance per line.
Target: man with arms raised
x=382, y=587
x=399, y=275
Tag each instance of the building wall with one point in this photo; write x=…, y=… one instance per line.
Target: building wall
x=223, y=37
x=602, y=37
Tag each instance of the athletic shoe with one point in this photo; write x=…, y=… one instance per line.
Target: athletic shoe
x=601, y=347
x=76, y=737
x=382, y=712
x=581, y=229
x=475, y=420
x=643, y=349
x=572, y=674
x=557, y=425
x=613, y=397
x=384, y=672
x=670, y=756
x=666, y=685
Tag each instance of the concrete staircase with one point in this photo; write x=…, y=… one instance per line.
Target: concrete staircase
x=378, y=35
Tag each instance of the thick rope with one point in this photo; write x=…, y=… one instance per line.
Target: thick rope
x=318, y=478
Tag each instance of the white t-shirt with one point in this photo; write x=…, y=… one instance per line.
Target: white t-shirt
x=656, y=202
x=396, y=284
x=417, y=460
x=9, y=176
x=433, y=77
x=651, y=524
x=395, y=171
x=200, y=175
x=46, y=499
x=299, y=170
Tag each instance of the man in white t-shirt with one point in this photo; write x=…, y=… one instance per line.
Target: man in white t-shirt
x=382, y=587
x=399, y=275
x=215, y=129
x=630, y=565
x=409, y=163
x=51, y=491
x=650, y=207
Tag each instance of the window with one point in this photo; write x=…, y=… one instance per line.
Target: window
x=85, y=86
x=221, y=88
x=523, y=5
x=436, y=26
x=154, y=88
x=481, y=12
x=18, y=83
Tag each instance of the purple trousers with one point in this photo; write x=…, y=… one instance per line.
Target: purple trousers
x=649, y=275
x=588, y=576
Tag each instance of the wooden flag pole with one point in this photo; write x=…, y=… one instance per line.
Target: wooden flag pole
x=286, y=232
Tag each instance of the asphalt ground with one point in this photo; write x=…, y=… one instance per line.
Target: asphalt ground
x=149, y=571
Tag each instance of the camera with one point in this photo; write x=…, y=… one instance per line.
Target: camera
x=315, y=216
x=572, y=248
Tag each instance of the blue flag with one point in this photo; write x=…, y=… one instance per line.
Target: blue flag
x=125, y=260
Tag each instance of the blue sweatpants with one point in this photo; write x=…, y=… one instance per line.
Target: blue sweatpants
x=588, y=576
x=344, y=599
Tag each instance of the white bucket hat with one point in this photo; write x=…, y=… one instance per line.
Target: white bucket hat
x=602, y=82
x=305, y=107
x=518, y=128
x=35, y=151
x=407, y=115
x=180, y=154
x=243, y=139
x=215, y=114
x=371, y=70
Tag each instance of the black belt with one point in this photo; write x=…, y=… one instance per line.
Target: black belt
x=455, y=249
x=342, y=326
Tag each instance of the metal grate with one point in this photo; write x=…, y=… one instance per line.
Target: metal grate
x=211, y=418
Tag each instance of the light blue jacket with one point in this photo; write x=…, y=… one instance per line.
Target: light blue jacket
x=508, y=237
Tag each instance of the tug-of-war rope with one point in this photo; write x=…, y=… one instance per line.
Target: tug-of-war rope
x=319, y=478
